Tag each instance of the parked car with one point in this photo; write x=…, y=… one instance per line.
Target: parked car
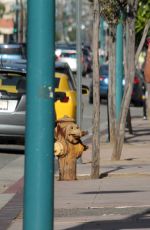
x=14, y=51
x=13, y=98
x=139, y=89
x=137, y=92
x=63, y=67
x=103, y=84
x=68, y=56
x=65, y=97
x=12, y=101
x=66, y=52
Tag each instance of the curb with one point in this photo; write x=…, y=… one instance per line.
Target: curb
x=105, y=174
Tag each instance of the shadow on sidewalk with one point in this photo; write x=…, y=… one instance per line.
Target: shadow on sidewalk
x=111, y=192
x=137, y=221
x=139, y=134
x=105, y=174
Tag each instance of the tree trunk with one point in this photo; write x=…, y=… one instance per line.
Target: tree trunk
x=129, y=76
x=111, y=90
x=146, y=29
x=130, y=60
x=148, y=101
x=128, y=123
x=95, y=166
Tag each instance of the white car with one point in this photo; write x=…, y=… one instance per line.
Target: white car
x=68, y=56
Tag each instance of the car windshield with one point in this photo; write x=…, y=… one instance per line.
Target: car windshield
x=104, y=70
x=69, y=55
x=12, y=83
x=11, y=51
x=61, y=69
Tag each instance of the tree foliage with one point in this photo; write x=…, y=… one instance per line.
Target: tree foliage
x=110, y=10
x=2, y=9
x=143, y=15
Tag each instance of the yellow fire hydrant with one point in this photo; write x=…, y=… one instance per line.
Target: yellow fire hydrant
x=68, y=147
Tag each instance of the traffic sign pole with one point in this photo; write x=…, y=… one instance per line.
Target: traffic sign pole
x=39, y=154
x=119, y=68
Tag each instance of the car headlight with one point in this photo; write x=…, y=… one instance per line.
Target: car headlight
x=106, y=80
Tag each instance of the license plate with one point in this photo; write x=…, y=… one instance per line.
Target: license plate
x=3, y=105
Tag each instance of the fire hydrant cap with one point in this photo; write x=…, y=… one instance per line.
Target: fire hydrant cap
x=65, y=119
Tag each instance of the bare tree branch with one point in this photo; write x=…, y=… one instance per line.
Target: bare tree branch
x=147, y=26
x=135, y=4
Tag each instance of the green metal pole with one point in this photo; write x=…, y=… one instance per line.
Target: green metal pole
x=39, y=155
x=119, y=68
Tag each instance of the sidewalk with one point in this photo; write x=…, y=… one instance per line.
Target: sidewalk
x=123, y=190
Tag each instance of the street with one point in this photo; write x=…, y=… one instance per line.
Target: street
x=88, y=110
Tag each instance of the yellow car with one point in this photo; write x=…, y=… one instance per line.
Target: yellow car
x=65, y=97
x=65, y=92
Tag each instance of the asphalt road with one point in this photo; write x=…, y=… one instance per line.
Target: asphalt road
x=88, y=110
